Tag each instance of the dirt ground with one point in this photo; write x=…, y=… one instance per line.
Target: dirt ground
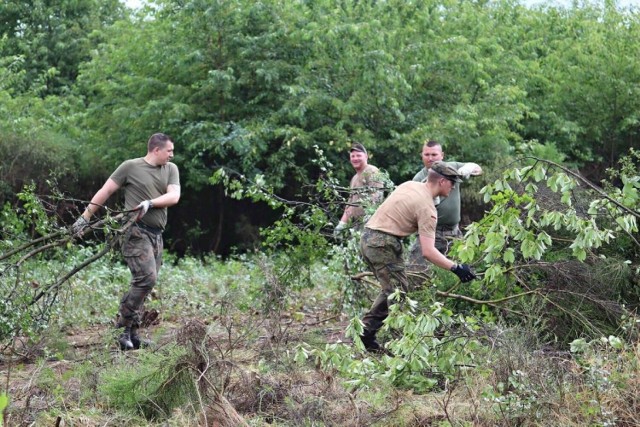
x=37, y=379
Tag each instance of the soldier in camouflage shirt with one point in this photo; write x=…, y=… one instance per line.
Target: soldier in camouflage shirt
x=365, y=186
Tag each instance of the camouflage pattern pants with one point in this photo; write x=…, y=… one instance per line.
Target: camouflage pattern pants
x=383, y=254
x=142, y=251
x=417, y=266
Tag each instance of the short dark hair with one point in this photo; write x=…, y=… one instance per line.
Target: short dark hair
x=432, y=176
x=431, y=143
x=158, y=140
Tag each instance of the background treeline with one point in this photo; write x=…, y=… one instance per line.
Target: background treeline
x=254, y=86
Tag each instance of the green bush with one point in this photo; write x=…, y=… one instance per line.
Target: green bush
x=153, y=385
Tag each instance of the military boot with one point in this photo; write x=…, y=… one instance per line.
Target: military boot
x=370, y=343
x=138, y=341
x=125, y=339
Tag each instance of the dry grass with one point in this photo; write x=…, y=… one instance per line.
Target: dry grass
x=237, y=359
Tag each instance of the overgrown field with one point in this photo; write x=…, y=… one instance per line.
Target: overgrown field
x=230, y=331
x=547, y=335
x=279, y=356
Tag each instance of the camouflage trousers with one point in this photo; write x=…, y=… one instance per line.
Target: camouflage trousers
x=417, y=266
x=142, y=251
x=383, y=254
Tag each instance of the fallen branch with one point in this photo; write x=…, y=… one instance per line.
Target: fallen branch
x=110, y=244
x=365, y=274
x=32, y=243
x=35, y=300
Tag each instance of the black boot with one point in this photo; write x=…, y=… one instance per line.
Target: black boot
x=370, y=343
x=138, y=341
x=125, y=339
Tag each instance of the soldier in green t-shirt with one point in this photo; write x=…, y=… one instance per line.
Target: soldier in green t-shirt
x=151, y=184
x=448, y=209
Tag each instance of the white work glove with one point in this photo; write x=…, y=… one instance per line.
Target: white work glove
x=142, y=208
x=437, y=200
x=339, y=228
x=79, y=226
x=468, y=169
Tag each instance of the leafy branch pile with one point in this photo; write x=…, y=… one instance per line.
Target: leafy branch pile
x=558, y=239
x=35, y=262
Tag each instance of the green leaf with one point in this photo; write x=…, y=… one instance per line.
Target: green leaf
x=539, y=173
x=579, y=345
x=301, y=355
x=580, y=253
x=4, y=402
x=616, y=342
x=509, y=256
x=466, y=252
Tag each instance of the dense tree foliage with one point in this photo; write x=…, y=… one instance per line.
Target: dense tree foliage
x=53, y=38
x=254, y=86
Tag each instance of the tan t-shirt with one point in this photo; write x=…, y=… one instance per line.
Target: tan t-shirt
x=408, y=209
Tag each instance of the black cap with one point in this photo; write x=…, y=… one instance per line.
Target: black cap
x=446, y=171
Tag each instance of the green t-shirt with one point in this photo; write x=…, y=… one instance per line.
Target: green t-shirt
x=449, y=207
x=142, y=181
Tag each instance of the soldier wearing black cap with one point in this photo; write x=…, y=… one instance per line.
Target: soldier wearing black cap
x=407, y=210
x=365, y=187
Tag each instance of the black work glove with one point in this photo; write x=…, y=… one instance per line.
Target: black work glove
x=463, y=271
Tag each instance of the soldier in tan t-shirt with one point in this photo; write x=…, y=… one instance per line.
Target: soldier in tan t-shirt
x=365, y=186
x=407, y=210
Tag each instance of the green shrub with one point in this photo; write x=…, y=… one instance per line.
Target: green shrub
x=153, y=385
